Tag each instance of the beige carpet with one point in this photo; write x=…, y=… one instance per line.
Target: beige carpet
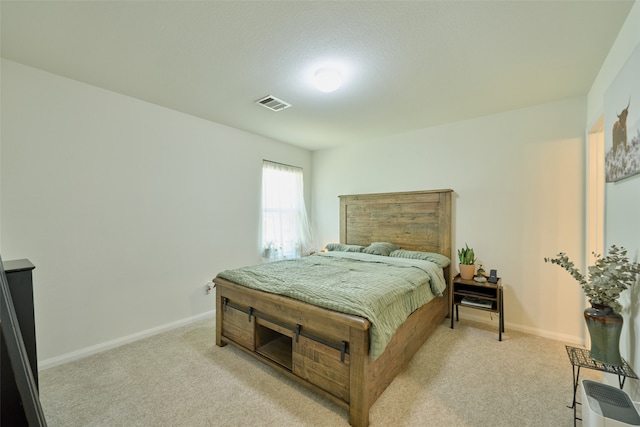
x=460, y=377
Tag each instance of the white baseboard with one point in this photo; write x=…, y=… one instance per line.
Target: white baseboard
x=569, y=339
x=79, y=354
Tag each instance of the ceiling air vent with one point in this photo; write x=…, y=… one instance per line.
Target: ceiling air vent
x=273, y=103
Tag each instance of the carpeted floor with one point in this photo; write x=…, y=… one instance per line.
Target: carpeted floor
x=460, y=377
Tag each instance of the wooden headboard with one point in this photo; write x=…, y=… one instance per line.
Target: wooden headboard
x=416, y=220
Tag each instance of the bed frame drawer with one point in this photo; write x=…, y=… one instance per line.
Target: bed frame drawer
x=239, y=327
x=321, y=365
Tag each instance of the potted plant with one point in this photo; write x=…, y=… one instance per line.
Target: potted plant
x=467, y=262
x=608, y=277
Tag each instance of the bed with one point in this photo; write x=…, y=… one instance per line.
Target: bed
x=329, y=351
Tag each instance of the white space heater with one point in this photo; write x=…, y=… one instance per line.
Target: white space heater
x=607, y=406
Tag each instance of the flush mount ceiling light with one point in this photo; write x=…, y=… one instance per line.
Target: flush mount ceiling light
x=327, y=79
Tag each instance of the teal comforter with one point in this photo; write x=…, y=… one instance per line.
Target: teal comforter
x=381, y=289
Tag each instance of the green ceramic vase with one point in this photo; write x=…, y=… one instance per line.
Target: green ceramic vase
x=605, y=326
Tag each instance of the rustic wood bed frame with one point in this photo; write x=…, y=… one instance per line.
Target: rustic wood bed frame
x=328, y=351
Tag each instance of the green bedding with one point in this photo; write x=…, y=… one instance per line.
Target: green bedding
x=382, y=289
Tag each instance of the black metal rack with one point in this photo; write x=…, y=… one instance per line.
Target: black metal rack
x=579, y=358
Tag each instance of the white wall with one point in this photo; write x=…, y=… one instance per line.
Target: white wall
x=622, y=201
x=518, y=182
x=125, y=208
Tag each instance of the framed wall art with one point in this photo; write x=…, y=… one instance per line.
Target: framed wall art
x=622, y=122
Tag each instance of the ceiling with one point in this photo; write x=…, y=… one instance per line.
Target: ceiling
x=406, y=65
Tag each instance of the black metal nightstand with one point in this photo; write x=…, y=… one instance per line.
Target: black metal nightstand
x=480, y=296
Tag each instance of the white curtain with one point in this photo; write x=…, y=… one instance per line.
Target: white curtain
x=285, y=226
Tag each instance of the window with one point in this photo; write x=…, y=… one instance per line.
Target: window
x=285, y=226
